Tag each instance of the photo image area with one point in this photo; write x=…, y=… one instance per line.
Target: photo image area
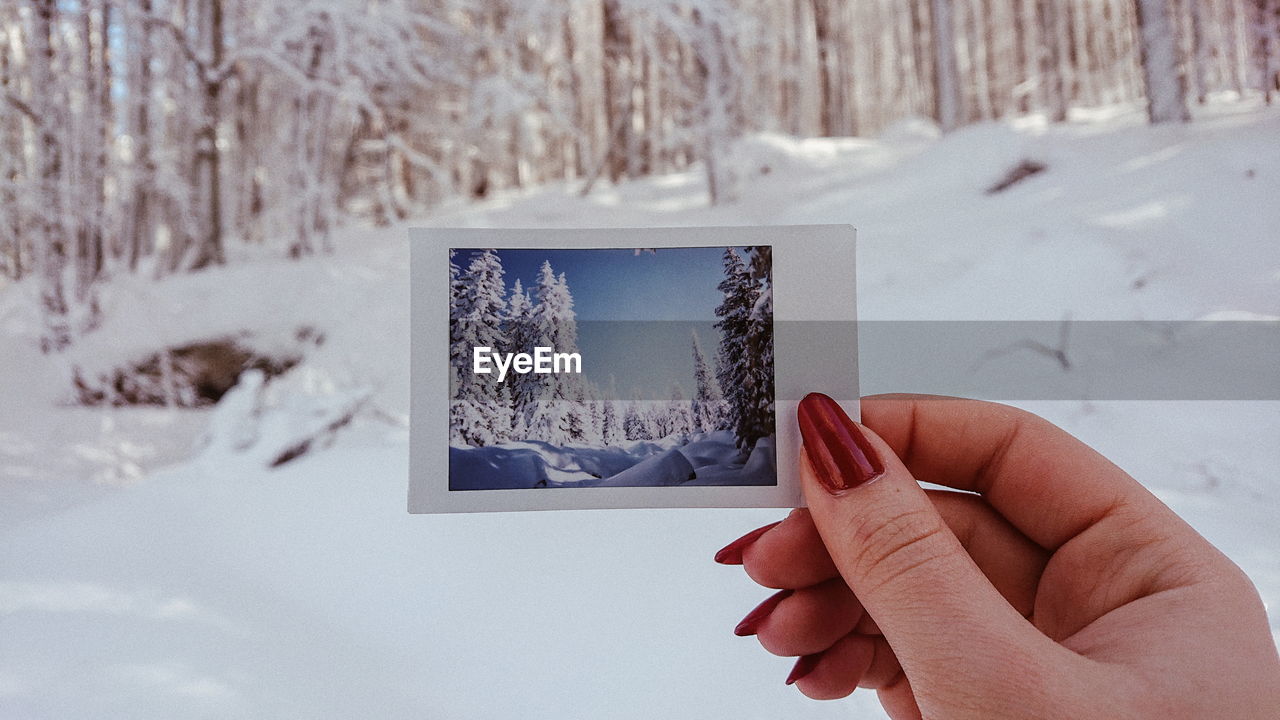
x=611, y=367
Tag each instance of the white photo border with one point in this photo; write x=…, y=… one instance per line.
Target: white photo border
x=814, y=276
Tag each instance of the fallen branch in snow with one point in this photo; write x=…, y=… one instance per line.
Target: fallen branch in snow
x=1017, y=174
x=272, y=424
x=1056, y=352
x=330, y=426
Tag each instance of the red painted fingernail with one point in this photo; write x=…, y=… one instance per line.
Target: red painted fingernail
x=752, y=621
x=840, y=454
x=804, y=665
x=731, y=554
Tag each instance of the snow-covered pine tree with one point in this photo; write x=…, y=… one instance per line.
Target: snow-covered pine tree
x=708, y=401
x=457, y=352
x=479, y=414
x=611, y=420
x=635, y=421
x=679, y=412
x=734, y=313
x=760, y=343
x=577, y=412
x=595, y=414
x=659, y=418
x=555, y=414
x=521, y=333
x=745, y=357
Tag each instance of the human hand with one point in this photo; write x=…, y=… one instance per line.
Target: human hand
x=1061, y=589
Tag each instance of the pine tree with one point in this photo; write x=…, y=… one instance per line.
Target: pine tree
x=760, y=344
x=555, y=403
x=480, y=414
x=521, y=332
x=679, y=412
x=611, y=432
x=708, y=401
x=658, y=416
x=577, y=412
x=595, y=416
x=635, y=422
x=746, y=352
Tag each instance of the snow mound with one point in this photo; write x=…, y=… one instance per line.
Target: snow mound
x=913, y=129
x=669, y=468
x=761, y=468
x=713, y=448
x=269, y=424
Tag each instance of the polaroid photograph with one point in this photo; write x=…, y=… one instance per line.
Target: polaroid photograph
x=622, y=368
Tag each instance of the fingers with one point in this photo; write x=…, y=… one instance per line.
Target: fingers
x=837, y=672
x=809, y=620
x=896, y=553
x=791, y=555
x=1045, y=482
x=852, y=662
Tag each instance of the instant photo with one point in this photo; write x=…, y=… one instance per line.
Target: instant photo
x=622, y=368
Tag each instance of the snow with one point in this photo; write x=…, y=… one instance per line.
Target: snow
x=699, y=459
x=139, y=580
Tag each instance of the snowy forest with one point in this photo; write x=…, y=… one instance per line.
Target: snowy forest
x=206, y=312
x=165, y=136
x=708, y=434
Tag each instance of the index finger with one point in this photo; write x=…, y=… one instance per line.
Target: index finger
x=1045, y=482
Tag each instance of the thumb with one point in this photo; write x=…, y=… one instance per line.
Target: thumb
x=937, y=610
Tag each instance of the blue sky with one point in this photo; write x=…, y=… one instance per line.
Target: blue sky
x=635, y=312
x=614, y=284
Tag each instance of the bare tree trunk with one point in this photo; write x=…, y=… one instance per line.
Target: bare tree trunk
x=1237, y=60
x=1052, y=85
x=717, y=74
x=208, y=154
x=1027, y=53
x=948, y=108
x=1264, y=32
x=11, y=162
x=921, y=43
x=822, y=34
x=140, y=230
x=617, y=89
x=57, y=335
x=1199, y=51
x=1166, y=88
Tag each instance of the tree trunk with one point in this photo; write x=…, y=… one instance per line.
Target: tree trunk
x=140, y=231
x=617, y=89
x=208, y=154
x=53, y=299
x=946, y=81
x=1264, y=22
x=822, y=35
x=1053, y=92
x=1165, y=86
x=1199, y=51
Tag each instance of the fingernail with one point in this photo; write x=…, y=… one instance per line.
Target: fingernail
x=804, y=665
x=731, y=554
x=752, y=621
x=840, y=454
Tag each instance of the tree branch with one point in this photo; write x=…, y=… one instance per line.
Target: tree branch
x=22, y=107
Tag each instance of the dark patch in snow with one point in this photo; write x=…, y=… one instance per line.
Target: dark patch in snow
x=1017, y=174
x=194, y=375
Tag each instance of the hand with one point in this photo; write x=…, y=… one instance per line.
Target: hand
x=1056, y=586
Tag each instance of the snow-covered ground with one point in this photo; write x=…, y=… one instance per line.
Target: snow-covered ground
x=149, y=569
x=711, y=458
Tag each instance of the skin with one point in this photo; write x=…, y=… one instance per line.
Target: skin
x=1053, y=586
